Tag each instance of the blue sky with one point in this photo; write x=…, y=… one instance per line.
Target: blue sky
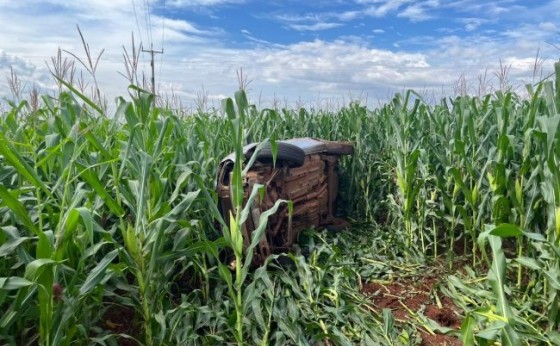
x=319, y=53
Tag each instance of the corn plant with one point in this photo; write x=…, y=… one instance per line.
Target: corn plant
x=105, y=213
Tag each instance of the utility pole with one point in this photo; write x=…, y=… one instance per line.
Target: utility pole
x=152, y=53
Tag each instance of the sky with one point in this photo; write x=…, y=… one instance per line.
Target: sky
x=313, y=53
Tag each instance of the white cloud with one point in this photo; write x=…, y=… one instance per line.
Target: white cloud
x=27, y=72
x=202, y=3
x=315, y=27
x=348, y=15
x=180, y=26
x=330, y=69
x=548, y=26
x=195, y=55
x=472, y=23
x=385, y=8
x=415, y=13
x=494, y=8
x=298, y=18
x=530, y=32
x=420, y=11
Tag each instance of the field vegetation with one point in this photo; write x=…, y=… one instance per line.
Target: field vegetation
x=110, y=234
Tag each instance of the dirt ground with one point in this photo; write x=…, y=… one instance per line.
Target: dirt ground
x=408, y=296
x=402, y=297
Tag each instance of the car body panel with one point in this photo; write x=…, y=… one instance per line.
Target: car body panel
x=312, y=187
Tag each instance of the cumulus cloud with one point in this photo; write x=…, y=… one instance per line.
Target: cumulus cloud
x=305, y=69
x=199, y=56
x=27, y=72
x=416, y=13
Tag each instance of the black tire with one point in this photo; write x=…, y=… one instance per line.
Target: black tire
x=339, y=148
x=286, y=152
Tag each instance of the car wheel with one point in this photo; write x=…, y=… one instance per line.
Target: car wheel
x=339, y=148
x=286, y=152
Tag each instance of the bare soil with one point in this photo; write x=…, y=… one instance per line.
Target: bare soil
x=406, y=297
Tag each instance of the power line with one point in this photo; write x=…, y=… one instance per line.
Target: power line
x=162, y=37
x=148, y=20
x=138, y=26
x=137, y=23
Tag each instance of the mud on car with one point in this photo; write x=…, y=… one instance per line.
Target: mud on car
x=305, y=172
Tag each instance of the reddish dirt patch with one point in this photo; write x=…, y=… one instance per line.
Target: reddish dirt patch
x=411, y=295
x=445, y=316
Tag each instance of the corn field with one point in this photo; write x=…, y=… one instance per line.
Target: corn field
x=110, y=232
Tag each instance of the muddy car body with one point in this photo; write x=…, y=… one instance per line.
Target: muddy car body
x=305, y=172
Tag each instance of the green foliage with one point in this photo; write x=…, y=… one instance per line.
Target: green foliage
x=101, y=214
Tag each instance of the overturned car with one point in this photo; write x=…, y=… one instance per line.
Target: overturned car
x=305, y=172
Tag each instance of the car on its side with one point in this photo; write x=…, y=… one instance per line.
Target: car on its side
x=305, y=172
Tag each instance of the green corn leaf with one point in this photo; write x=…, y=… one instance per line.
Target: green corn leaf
x=454, y=171
x=388, y=323
x=235, y=236
x=510, y=336
x=250, y=204
x=183, y=206
x=34, y=269
x=97, y=274
x=242, y=103
x=553, y=278
x=8, y=248
x=13, y=283
x=80, y=95
x=467, y=330
x=549, y=125
x=180, y=184
x=18, y=208
x=557, y=222
x=496, y=276
x=199, y=247
x=228, y=107
x=45, y=245
x=87, y=219
x=93, y=181
x=225, y=274
x=528, y=262
x=22, y=167
x=74, y=216
x=257, y=234
x=96, y=144
x=491, y=333
x=506, y=230
x=535, y=236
